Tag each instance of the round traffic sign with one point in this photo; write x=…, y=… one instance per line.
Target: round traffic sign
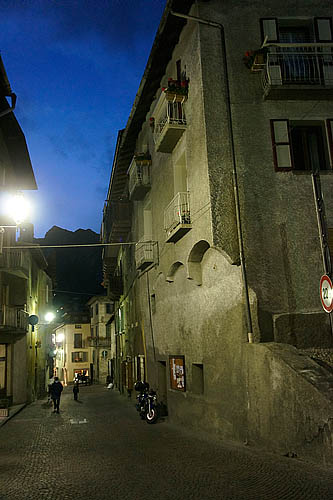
x=326, y=293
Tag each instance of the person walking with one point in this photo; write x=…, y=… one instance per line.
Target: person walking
x=75, y=390
x=55, y=391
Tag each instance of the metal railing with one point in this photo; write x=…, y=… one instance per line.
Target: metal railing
x=100, y=342
x=177, y=212
x=298, y=64
x=15, y=259
x=139, y=175
x=145, y=253
x=170, y=113
x=13, y=316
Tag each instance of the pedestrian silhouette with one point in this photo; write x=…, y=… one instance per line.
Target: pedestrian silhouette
x=75, y=391
x=55, y=392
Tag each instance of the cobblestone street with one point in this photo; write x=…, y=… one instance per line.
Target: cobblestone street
x=98, y=448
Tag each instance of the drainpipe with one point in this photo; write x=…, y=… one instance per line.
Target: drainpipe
x=234, y=168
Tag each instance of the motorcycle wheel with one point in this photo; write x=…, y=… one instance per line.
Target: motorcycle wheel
x=151, y=416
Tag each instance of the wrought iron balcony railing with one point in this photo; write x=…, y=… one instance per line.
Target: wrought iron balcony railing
x=170, y=123
x=15, y=261
x=177, y=217
x=289, y=66
x=13, y=317
x=139, y=179
x=146, y=253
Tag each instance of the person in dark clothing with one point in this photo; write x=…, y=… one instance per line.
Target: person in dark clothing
x=75, y=391
x=55, y=391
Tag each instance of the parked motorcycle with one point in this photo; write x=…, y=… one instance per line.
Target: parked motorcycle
x=146, y=402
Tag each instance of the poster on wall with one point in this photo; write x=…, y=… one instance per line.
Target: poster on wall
x=177, y=372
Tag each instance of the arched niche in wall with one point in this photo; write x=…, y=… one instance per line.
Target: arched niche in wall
x=195, y=259
x=172, y=271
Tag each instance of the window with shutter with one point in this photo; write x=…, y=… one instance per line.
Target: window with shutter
x=281, y=145
x=323, y=29
x=269, y=29
x=301, y=145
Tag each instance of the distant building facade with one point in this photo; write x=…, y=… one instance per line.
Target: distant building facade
x=102, y=339
x=220, y=200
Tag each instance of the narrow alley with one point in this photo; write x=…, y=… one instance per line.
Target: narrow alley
x=98, y=448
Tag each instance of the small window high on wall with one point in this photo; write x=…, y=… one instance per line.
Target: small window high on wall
x=302, y=145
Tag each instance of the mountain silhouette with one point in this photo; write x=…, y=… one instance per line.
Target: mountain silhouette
x=76, y=272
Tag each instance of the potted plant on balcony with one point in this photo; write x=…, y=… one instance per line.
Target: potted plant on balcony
x=176, y=91
x=142, y=158
x=255, y=59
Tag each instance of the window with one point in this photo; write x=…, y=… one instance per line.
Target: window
x=77, y=340
x=97, y=331
x=308, y=148
x=301, y=145
x=79, y=357
x=78, y=327
x=91, y=312
x=108, y=308
x=289, y=30
x=96, y=309
x=91, y=332
x=197, y=378
x=298, y=62
x=108, y=330
x=153, y=303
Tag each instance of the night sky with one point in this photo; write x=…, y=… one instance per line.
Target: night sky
x=75, y=66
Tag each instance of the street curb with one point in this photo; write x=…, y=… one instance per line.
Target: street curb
x=14, y=410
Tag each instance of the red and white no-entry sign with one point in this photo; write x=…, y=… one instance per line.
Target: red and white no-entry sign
x=326, y=293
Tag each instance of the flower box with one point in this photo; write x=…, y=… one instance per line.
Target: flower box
x=142, y=158
x=255, y=59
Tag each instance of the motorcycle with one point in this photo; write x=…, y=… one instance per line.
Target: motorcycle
x=146, y=402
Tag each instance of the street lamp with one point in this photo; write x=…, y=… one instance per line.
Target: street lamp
x=17, y=208
x=49, y=317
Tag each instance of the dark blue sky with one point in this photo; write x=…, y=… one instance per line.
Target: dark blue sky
x=75, y=66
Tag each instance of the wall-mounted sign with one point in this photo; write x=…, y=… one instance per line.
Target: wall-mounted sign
x=177, y=372
x=326, y=293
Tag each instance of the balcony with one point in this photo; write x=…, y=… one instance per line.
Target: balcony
x=146, y=254
x=115, y=286
x=117, y=221
x=177, y=217
x=13, y=320
x=15, y=262
x=139, y=177
x=298, y=71
x=100, y=342
x=170, y=122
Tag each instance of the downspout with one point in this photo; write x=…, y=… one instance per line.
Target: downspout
x=234, y=169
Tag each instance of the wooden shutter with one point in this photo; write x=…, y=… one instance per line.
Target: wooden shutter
x=329, y=126
x=282, y=154
x=323, y=29
x=269, y=29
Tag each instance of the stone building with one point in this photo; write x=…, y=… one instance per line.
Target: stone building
x=102, y=340
x=25, y=287
x=73, y=354
x=220, y=198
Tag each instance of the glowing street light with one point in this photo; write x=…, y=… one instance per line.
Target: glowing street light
x=17, y=207
x=49, y=316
